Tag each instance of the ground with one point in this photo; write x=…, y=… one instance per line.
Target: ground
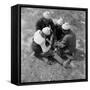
x=36, y=70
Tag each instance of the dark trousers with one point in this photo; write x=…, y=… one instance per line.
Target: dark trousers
x=36, y=48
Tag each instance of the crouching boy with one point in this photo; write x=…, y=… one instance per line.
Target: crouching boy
x=39, y=45
x=67, y=45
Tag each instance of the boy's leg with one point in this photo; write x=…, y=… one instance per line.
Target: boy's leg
x=50, y=56
x=37, y=49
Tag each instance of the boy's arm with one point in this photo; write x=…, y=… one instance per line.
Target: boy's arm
x=64, y=42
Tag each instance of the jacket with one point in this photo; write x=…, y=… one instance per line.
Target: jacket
x=68, y=42
x=58, y=32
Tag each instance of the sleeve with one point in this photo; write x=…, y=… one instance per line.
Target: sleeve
x=45, y=48
x=65, y=41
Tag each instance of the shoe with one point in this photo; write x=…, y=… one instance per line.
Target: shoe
x=66, y=64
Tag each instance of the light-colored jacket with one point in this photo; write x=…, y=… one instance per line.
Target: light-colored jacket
x=41, y=41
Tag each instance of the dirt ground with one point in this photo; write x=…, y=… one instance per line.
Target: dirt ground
x=36, y=70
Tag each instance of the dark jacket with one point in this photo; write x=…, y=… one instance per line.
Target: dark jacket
x=36, y=48
x=58, y=32
x=68, y=42
x=43, y=22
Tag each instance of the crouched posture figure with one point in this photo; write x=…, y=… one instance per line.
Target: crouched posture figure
x=39, y=43
x=45, y=21
x=67, y=45
x=58, y=29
